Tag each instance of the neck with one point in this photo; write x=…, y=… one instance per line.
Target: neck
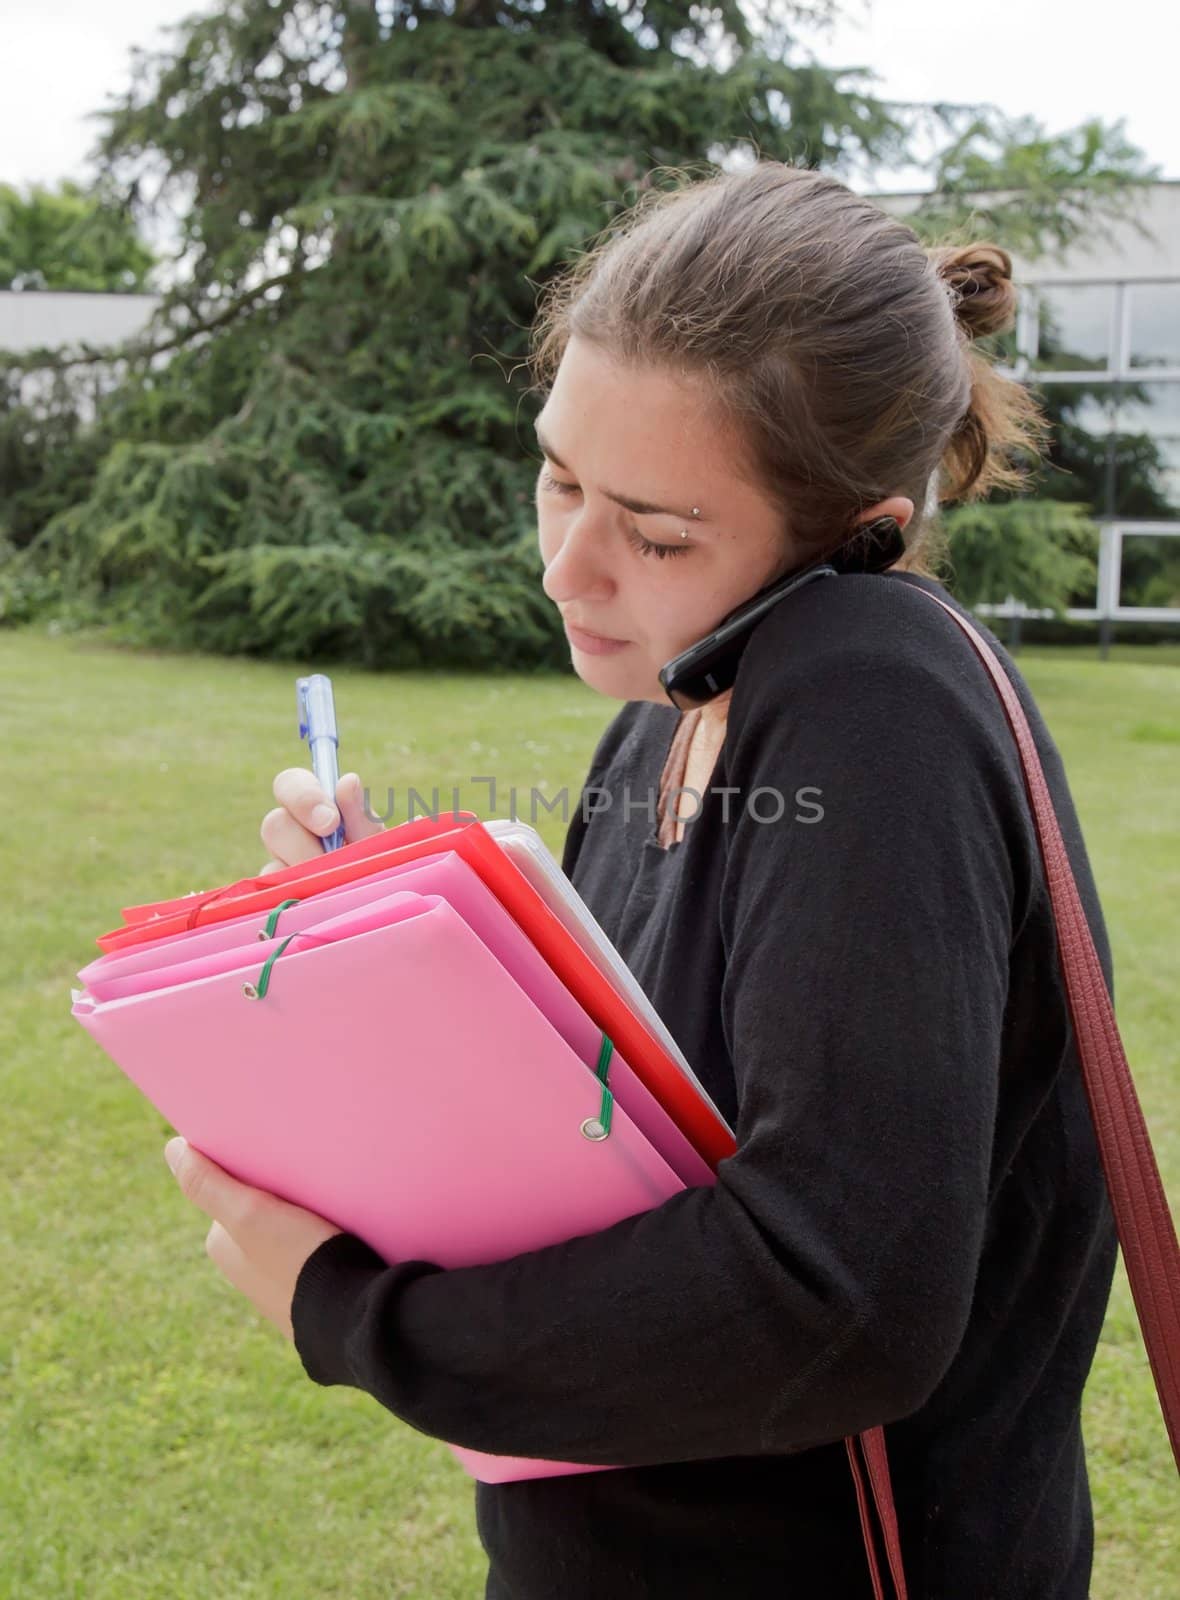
x=715, y=711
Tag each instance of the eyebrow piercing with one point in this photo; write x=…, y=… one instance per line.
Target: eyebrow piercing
x=696, y=511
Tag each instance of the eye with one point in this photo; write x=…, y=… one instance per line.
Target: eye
x=646, y=547
x=548, y=481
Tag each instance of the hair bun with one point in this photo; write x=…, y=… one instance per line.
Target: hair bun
x=980, y=279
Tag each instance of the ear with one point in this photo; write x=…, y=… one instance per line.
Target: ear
x=897, y=507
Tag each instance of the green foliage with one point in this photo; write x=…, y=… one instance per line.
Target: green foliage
x=214, y=545
x=75, y=239
x=1040, y=551
x=1032, y=191
x=317, y=447
x=71, y=238
x=48, y=455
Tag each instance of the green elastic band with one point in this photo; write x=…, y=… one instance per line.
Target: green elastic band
x=600, y=1070
x=272, y=921
x=264, y=978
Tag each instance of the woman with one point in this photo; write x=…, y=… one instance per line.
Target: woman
x=847, y=929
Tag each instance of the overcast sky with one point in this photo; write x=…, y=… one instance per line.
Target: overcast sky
x=60, y=59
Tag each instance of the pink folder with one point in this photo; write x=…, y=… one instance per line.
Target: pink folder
x=128, y=972
x=414, y=1083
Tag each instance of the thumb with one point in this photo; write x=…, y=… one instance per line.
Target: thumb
x=350, y=800
x=210, y=1188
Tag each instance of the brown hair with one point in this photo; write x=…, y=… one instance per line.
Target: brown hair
x=838, y=349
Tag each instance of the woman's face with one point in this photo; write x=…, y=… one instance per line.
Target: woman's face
x=612, y=436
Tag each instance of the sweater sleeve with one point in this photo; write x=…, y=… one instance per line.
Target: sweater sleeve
x=822, y=1286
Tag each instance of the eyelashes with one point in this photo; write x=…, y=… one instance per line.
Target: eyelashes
x=645, y=547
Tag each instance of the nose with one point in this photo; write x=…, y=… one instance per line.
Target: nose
x=575, y=567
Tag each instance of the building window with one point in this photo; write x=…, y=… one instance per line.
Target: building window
x=1075, y=327
x=1104, y=359
x=1153, y=324
x=1147, y=452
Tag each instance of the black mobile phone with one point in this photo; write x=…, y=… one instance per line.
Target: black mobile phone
x=709, y=667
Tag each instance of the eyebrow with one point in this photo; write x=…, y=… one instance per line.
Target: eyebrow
x=641, y=508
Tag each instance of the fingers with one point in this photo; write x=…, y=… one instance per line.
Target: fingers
x=297, y=790
x=287, y=840
x=225, y=1253
x=295, y=829
x=350, y=797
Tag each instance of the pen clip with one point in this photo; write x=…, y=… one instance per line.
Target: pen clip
x=301, y=707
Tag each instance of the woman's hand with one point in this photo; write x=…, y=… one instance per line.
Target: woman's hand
x=305, y=815
x=257, y=1240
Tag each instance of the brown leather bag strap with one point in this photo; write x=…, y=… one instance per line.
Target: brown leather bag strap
x=852, y=1445
x=1146, y=1231
x=870, y=1446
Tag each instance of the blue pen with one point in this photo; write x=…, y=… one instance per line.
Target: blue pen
x=317, y=724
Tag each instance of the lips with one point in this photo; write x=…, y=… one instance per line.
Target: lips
x=605, y=638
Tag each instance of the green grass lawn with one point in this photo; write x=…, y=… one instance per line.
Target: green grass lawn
x=159, y=1438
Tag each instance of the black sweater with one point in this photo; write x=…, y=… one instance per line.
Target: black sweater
x=914, y=1230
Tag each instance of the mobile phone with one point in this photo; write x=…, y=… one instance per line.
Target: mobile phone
x=709, y=667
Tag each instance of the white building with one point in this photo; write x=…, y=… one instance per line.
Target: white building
x=1099, y=335
x=35, y=319
x=39, y=319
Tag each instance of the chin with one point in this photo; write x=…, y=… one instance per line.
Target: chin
x=604, y=676
x=609, y=677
